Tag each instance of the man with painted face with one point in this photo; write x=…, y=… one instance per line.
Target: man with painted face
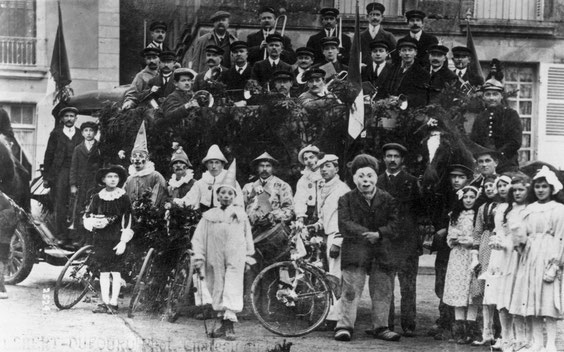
x=203, y=194
x=329, y=21
x=57, y=165
x=415, y=22
x=375, y=31
x=158, y=34
x=308, y=186
x=141, y=80
x=176, y=105
x=214, y=67
x=182, y=179
x=142, y=174
x=368, y=219
x=196, y=57
x=160, y=86
x=263, y=70
x=441, y=75
x=498, y=127
x=258, y=42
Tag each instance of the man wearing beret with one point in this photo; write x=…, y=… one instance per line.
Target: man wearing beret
x=176, y=105
x=378, y=71
x=257, y=41
x=406, y=247
x=408, y=78
x=375, y=32
x=329, y=19
x=219, y=36
x=141, y=80
x=236, y=77
x=214, y=67
x=441, y=75
x=158, y=34
x=263, y=70
x=368, y=219
x=498, y=127
x=415, y=22
x=160, y=86
x=57, y=164
x=330, y=47
x=304, y=61
x=462, y=56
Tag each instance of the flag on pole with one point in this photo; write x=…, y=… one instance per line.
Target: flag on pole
x=60, y=69
x=475, y=66
x=356, y=111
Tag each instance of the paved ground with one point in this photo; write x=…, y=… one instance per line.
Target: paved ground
x=29, y=321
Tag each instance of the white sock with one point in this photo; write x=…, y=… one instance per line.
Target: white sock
x=487, y=332
x=460, y=313
x=105, y=287
x=550, y=334
x=538, y=337
x=472, y=312
x=116, y=286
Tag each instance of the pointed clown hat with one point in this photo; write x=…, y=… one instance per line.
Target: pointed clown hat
x=214, y=153
x=140, y=144
x=264, y=157
x=179, y=156
x=230, y=179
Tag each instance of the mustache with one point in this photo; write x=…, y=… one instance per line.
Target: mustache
x=210, y=61
x=153, y=65
x=160, y=37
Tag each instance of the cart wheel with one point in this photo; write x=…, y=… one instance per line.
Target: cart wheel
x=74, y=280
x=22, y=255
x=180, y=287
x=290, y=299
x=139, y=298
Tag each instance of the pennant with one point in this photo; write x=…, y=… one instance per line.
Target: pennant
x=60, y=69
x=474, y=66
x=356, y=110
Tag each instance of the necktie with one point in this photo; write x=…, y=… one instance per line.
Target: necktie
x=263, y=182
x=240, y=70
x=211, y=188
x=273, y=65
x=459, y=73
x=376, y=70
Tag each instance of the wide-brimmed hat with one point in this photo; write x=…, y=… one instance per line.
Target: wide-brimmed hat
x=309, y=148
x=264, y=157
x=118, y=169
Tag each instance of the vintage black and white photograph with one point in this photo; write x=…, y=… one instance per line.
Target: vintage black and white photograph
x=281, y=175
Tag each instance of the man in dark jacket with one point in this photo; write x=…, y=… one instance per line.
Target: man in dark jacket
x=329, y=17
x=257, y=41
x=375, y=32
x=406, y=248
x=462, y=56
x=236, y=77
x=57, y=164
x=178, y=102
x=378, y=71
x=330, y=62
x=368, y=219
x=441, y=75
x=160, y=86
x=263, y=70
x=415, y=22
x=499, y=128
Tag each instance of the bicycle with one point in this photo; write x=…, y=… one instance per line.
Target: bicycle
x=76, y=279
x=292, y=298
x=181, y=285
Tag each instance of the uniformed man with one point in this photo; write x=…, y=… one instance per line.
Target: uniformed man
x=317, y=89
x=160, y=86
x=441, y=75
x=176, y=105
x=375, y=32
x=196, y=58
x=263, y=70
x=415, y=22
x=214, y=67
x=498, y=127
x=330, y=47
x=329, y=19
x=258, y=43
x=462, y=56
x=141, y=80
x=304, y=61
x=236, y=77
x=282, y=82
x=158, y=34
x=378, y=72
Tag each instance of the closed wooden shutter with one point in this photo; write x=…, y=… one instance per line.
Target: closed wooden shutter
x=551, y=114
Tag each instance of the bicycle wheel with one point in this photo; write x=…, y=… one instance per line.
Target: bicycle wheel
x=180, y=287
x=139, y=298
x=290, y=299
x=74, y=280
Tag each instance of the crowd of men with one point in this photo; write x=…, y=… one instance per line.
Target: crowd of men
x=371, y=230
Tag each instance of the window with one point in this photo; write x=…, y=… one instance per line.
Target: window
x=531, y=10
x=17, y=32
x=22, y=117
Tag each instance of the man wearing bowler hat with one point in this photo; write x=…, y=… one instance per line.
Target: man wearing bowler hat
x=329, y=20
x=258, y=43
x=142, y=78
x=406, y=247
x=219, y=36
x=415, y=22
x=236, y=77
x=462, y=57
x=441, y=75
x=263, y=70
x=158, y=34
x=378, y=71
x=375, y=32
x=57, y=164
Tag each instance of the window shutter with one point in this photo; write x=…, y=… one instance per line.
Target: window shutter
x=551, y=114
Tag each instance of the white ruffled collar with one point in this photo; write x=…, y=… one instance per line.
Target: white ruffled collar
x=113, y=195
x=311, y=175
x=147, y=170
x=209, y=179
x=174, y=183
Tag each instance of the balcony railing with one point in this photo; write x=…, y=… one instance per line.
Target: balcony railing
x=17, y=51
x=348, y=7
x=528, y=10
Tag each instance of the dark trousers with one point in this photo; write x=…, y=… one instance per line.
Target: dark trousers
x=446, y=313
x=60, y=192
x=407, y=275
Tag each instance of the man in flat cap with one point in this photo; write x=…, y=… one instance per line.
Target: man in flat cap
x=415, y=22
x=329, y=20
x=331, y=61
x=462, y=57
x=408, y=78
x=160, y=86
x=406, y=247
x=236, y=77
x=441, y=75
x=375, y=32
x=498, y=127
x=158, y=34
x=142, y=78
x=219, y=36
x=57, y=164
x=214, y=67
x=258, y=43
x=282, y=82
x=176, y=105
x=316, y=94
x=378, y=71
x=304, y=61
x=263, y=70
